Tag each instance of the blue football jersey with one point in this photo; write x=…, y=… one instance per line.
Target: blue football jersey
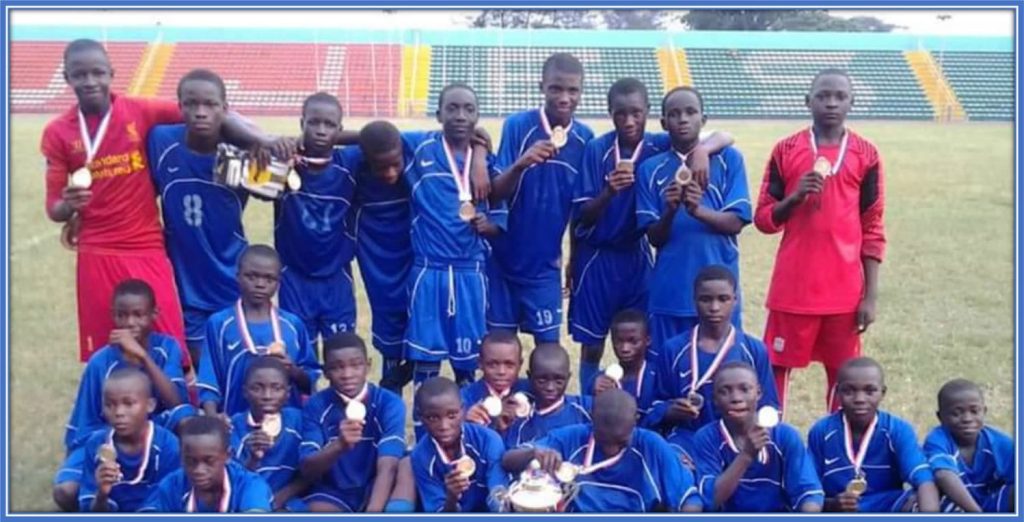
x=784, y=481
x=692, y=245
x=248, y=493
x=202, y=220
x=438, y=234
x=645, y=476
x=990, y=474
x=225, y=357
x=570, y=411
x=616, y=228
x=310, y=225
x=87, y=413
x=382, y=221
x=280, y=464
x=429, y=468
x=540, y=207
x=383, y=436
x=893, y=458
x=142, y=472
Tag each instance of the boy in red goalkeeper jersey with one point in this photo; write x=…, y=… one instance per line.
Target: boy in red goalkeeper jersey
x=824, y=189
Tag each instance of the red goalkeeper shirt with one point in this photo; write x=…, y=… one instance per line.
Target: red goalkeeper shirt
x=818, y=268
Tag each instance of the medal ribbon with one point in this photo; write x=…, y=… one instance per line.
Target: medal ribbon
x=697, y=380
x=444, y=455
x=549, y=409
x=547, y=124
x=588, y=459
x=639, y=380
x=762, y=456
x=492, y=392
x=92, y=146
x=225, y=497
x=360, y=397
x=461, y=179
x=842, y=148
x=636, y=152
x=145, y=453
x=243, y=327
x=857, y=459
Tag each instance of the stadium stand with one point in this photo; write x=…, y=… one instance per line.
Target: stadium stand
x=384, y=74
x=772, y=83
x=983, y=81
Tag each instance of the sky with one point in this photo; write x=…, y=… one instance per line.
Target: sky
x=960, y=22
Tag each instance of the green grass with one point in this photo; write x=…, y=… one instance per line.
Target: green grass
x=945, y=309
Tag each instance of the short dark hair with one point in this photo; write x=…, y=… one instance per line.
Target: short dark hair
x=501, y=337
x=135, y=287
x=956, y=386
x=451, y=87
x=321, y=97
x=738, y=365
x=204, y=425
x=714, y=273
x=258, y=250
x=629, y=315
x=862, y=362
x=435, y=387
x=831, y=71
x=343, y=340
x=378, y=137
x=127, y=373
x=83, y=44
x=265, y=363
x=625, y=87
x=549, y=350
x=563, y=63
x=204, y=75
x=682, y=88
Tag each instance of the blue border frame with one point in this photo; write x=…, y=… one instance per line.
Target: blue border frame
x=9, y=5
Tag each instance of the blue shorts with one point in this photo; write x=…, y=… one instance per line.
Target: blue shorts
x=348, y=500
x=997, y=501
x=388, y=330
x=534, y=307
x=447, y=308
x=71, y=469
x=296, y=505
x=195, y=325
x=326, y=305
x=605, y=282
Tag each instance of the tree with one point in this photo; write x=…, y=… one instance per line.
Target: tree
x=534, y=19
x=634, y=19
x=780, y=20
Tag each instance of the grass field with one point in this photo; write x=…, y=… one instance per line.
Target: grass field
x=945, y=309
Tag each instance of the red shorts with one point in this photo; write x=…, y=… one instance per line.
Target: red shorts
x=794, y=340
x=99, y=273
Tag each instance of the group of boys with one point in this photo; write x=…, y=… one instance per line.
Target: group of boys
x=459, y=249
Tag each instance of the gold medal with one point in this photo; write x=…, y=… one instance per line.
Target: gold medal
x=823, y=166
x=276, y=348
x=271, y=425
x=559, y=137
x=294, y=181
x=684, y=175
x=82, y=178
x=108, y=453
x=696, y=400
x=467, y=211
x=466, y=466
x=857, y=486
x=624, y=166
